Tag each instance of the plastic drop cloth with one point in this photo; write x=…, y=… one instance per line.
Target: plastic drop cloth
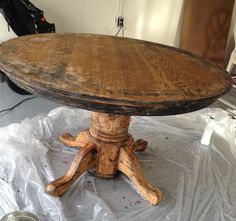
x=198, y=181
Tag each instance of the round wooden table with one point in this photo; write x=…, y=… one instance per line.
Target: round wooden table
x=114, y=78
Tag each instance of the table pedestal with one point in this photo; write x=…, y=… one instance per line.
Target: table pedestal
x=105, y=150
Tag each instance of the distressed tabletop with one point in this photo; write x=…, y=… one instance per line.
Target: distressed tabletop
x=111, y=74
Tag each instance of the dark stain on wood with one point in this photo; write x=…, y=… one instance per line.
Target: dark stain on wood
x=113, y=75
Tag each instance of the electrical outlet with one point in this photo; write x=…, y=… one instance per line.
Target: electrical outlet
x=120, y=21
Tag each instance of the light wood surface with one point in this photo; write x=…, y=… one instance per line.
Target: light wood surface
x=120, y=77
x=107, y=149
x=83, y=161
x=111, y=74
x=130, y=166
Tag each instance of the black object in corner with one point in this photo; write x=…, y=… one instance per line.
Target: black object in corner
x=24, y=19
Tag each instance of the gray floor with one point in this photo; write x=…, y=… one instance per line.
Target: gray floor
x=230, y=98
x=189, y=167
x=30, y=108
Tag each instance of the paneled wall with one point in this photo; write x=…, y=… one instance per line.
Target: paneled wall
x=206, y=26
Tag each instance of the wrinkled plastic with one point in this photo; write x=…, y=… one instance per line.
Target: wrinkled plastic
x=198, y=181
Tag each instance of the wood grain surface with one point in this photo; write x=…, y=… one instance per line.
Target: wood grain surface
x=106, y=150
x=111, y=74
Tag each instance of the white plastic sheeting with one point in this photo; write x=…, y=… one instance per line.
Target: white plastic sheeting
x=198, y=181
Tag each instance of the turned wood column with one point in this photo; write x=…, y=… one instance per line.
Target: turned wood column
x=109, y=132
x=106, y=149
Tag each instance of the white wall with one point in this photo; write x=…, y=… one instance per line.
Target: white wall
x=88, y=16
x=153, y=20
x=5, y=34
x=231, y=43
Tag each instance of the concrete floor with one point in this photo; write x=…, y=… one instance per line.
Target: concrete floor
x=29, y=109
x=230, y=98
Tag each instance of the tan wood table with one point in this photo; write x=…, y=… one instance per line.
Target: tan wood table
x=114, y=78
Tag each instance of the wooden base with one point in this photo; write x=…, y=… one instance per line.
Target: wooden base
x=106, y=149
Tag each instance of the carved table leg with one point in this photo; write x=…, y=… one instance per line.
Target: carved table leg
x=139, y=145
x=130, y=166
x=79, y=141
x=83, y=161
x=106, y=149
